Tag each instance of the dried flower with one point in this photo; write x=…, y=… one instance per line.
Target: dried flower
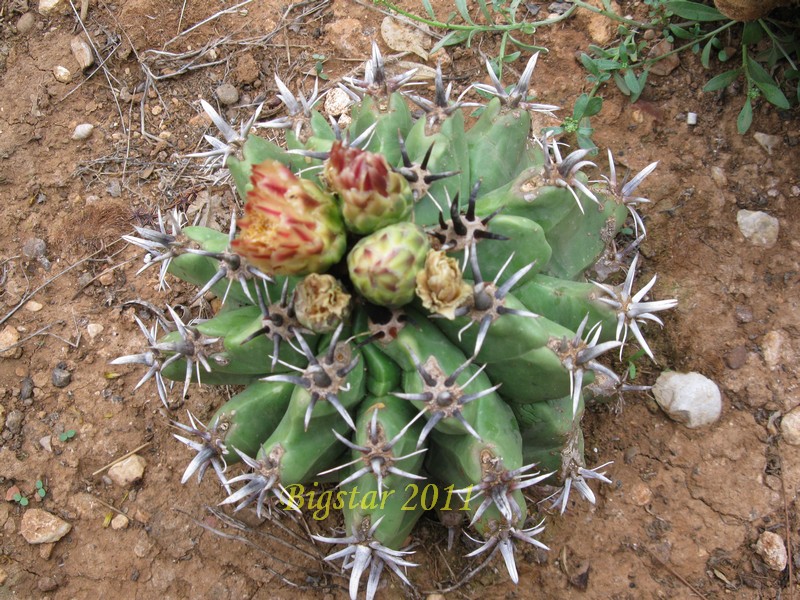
x=440, y=284
x=321, y=303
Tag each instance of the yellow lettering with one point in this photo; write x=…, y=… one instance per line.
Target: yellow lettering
x=295, y=499
x=323, y=506
x=385, y=497
x=369, y=501
x=353, y=503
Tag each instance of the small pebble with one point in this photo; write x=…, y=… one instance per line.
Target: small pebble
x=106, y=278
x=156, y=110
x=688, y=398
x=691, y=118
x=32, y=306
x=61, y=377
x=40, y=527
x=775, y=347
x=719, y=177
x=758, y=227
x=8, y=337
x=790, y=427
x=48, y=6
x=128, y=471
x=337, y=102
x=766, y=141
x=94, y=329
x=14, y=421
x=47, y=584
x=26, y=23
x=82, y=52
x=736, y=357
x=114, y=188
x=771, y=548
x=119, y=522
x=227, y=94
x=744, y=314
x=3, y=576
x=83, y=131
x=45, y=443
x=641, y=495
x=62, y=74
x=25, y=388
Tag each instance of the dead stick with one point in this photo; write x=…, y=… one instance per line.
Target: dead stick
x=675, y=574
x=121, y=458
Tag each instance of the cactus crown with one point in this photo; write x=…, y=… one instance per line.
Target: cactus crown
x=433, y=319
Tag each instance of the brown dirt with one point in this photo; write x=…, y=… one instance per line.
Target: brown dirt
x=713, y=491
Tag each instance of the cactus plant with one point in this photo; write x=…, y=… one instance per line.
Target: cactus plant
x=408, y=299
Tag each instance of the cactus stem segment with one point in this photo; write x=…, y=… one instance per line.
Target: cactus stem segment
x=278, y=321
x=195, y=347
x=264, y=479
x=299, y=109
x=232, y=266
x=622, y=190
x=518, y=96
x=376, y=83
x=631, y=311
x=325, y=378
x=364, y=551
x=153, y=359
x=209, y=449
x=443, y=397
x=377, y=456
x=578, y=356
x=216, y=158
x=160, y=245
x=503, y=540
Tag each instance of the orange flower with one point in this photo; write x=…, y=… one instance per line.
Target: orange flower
x=291, y=226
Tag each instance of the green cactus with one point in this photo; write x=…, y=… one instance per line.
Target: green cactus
x=457, y=260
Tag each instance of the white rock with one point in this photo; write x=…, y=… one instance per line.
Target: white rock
x=771, y=548
x=689, y=398
x=128, y=471
x=337, y=102
x=94, y=329
x=8, y=337
x=790, y=427
x=33, y=306
x=48, y=6
x=82, y=52
x=62, y=74
x=83, y=131
x=758, y=227
x=40, y=527
x=776, y=349
x=119, y=522
x=766, y=141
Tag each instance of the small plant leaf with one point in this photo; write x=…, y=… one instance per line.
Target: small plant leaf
x=461, y=6
x=17, y=497
x=722, y=80
x=428, y=8
x=23, y=501
x=454, y=38
x=745, y=118
x=693, y=11
x=41, y=493
x=764, y=82
x=752, y=33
